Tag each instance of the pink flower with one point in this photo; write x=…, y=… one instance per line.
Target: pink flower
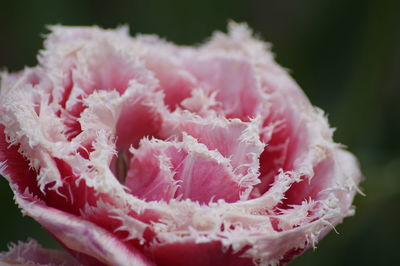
x=135, y=151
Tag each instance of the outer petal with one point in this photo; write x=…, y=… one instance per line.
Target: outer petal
x=82, y=236
x=31, y=253
x=198, y=254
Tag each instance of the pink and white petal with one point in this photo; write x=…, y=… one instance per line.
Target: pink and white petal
x=102, y=65
x=140, y=116
x=16, y=169
x=203, y=178
x=234, y=139
x=174, y=80
x=82, y=236
x=59, y=58
x=62, y=44
x=288, y=145
x=232, y=78
x=150, y=175
x=200, y=102
x=32, y=253
x=240, y=41
x=192, y=171
x=347, y=181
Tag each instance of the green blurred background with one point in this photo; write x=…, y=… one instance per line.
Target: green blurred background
x=344, y=54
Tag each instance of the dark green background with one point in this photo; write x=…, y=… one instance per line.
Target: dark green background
x=345, y=54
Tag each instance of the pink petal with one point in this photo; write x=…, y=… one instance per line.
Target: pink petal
x=202, y=179
x=197, y=254
x=232, y=79
x=145, y=122
x=82, y=236
x=166, y=170
x=150, y=175
x=16, y=168
x=174, y=81
x=31, y=253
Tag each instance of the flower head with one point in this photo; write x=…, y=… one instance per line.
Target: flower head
x=135, y=151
